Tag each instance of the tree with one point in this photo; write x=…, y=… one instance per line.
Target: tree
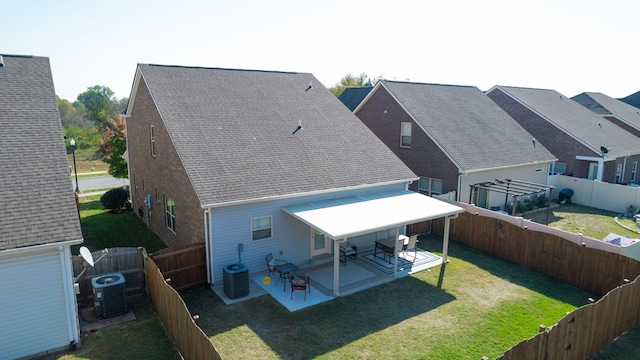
x=100, y=104
x=114, y=146
x=72, y=114
x=350, y=80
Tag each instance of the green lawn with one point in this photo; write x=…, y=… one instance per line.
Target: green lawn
x=478, y=305
x=591, y=222
x=102, y=229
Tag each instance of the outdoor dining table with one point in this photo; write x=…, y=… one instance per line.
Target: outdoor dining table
x=388, y=246
x=285, y=269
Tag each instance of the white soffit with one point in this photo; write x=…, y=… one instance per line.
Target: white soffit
x=362, y=214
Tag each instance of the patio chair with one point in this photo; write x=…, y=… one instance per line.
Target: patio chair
x=271, y=265
x=412, y=245
x=300, y=283
x=348, y=250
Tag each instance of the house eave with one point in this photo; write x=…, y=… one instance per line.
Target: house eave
x=31, y=248
x=309, y=193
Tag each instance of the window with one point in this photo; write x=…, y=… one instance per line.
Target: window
x=405, y=134
x=619, y=174
x=261, y=228
x=153, y=140
x=170, y=207
x=429, y=186
x=634, y=169
x=557, y=168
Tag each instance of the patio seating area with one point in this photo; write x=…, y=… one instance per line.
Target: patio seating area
x=363, y=272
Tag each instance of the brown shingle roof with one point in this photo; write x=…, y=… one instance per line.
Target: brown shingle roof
x=37, y=203
x=475, y=132
x=233, y=132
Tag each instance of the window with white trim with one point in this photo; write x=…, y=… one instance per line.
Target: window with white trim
x=153, y=140
x=405, y=135
x=619, y=174
x=170, y=207
x=261, y=228
x=634, y=170
x=429, y=186
x=558, y=168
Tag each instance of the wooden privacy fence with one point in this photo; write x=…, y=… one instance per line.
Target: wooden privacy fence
x=584, y=331
x=190, y=340
x=185, y=265
x=591, y=269
x=128, y=261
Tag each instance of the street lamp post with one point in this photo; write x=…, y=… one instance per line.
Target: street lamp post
x=73, y=153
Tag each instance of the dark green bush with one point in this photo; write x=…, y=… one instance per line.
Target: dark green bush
x=115, y=199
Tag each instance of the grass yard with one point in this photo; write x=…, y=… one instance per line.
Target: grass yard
x=87, y=159
x=144, y=338
x=591, y=222
x=478, y=305
x=102, y=229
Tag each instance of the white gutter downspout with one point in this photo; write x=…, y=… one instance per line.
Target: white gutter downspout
x=445, y=237
x=207, y=245
x=460, y=175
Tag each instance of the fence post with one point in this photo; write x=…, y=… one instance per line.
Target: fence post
x=196, y=319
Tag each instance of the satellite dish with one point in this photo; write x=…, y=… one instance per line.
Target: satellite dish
x=86, y=255
x=604, y=149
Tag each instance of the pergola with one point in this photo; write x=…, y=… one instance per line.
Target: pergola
x=515, y=188
x=342, y=218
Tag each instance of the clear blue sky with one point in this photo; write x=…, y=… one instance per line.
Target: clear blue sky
x=569, y=46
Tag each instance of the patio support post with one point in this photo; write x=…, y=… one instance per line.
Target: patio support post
x=336, y=266
x=445, y=237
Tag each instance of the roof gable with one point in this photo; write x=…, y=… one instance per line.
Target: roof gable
x=233, y=131
x=575, y=120
x=633, y=99
x=605, y=105
x=37, y=204
x=470, y=128
x=352, y=97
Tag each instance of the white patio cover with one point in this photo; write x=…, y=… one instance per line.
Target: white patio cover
x=356, y=215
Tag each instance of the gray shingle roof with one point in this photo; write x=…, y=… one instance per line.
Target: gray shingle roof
x=233, y=132
x=37, y=204
x=578, y=121
x=605, y=105
x=475, y=132
x=633, y=99
x=352, y=97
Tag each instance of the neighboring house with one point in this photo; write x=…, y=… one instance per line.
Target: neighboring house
x=38, y=215
x=616, y=111
x=254, y=162
x=633, y=99
x=352, y=97
x=586, y=144
x=453, y=137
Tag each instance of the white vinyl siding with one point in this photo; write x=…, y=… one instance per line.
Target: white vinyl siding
x=33, y=318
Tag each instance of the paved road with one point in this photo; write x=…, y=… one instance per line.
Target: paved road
x=98, y=182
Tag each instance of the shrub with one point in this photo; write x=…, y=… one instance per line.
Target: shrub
x=542, y=201
x=115, y=199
